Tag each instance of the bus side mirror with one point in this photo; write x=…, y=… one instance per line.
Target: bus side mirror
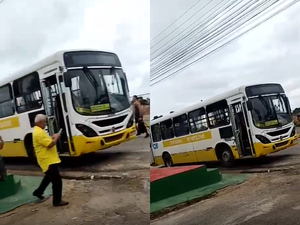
x=68, y=82
x=249, y=105
x=60, y=79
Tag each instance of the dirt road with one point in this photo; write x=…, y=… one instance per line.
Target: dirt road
x=270, y=198
x=93, y=202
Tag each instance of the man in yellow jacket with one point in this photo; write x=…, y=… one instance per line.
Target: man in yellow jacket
x=48, y=160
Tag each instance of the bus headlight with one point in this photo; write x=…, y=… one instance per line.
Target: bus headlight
x=262, y=139
x=293, y=132
x=86, y=131
x=130, y=122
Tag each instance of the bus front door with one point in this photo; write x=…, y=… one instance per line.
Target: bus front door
x=54, y=113
x=240, y=128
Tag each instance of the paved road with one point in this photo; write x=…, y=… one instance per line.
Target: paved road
x=133, y=155
x=284, y=158
x=265, y=199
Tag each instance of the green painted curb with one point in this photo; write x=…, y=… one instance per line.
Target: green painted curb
x=183, y=182
x=9, y=187
x=228, y=180
x=24, y=194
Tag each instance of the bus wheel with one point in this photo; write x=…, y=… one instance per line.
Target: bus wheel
x=167, y=160
x=225, y=156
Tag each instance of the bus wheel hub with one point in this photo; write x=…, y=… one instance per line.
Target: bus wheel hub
x=226, y=156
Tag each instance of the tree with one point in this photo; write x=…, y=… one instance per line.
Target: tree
x=296, y=111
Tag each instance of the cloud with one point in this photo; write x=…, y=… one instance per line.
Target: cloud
x=268, y=53
x=32, y=30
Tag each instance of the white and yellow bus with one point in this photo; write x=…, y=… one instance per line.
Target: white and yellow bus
x=249, y=121
x=84, y=92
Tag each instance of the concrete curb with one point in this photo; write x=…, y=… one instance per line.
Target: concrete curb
x=163, y=212
x=260, y=170
x=78, y=176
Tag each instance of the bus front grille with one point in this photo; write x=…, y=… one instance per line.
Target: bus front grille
x=281, y=144
x=279, y=132
x=110, y=122
x=113, y=138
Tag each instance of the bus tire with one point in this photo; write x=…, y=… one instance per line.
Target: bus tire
x=167, y=158
x=225, y=155
x=28, y=143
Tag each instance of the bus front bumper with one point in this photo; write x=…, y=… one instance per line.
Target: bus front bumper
x=85, y=145
x=265, y=149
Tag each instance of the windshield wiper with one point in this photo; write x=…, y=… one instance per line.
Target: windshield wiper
x=95, y=83
x=91, y=78
x=268, y=108
x=113, y=72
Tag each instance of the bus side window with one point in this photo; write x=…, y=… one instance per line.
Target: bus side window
x=181, y=126
x=167, y=131
x=27, y=91
x=156, y=133
x=7, y=106
x=198, y=120
x=218, y=114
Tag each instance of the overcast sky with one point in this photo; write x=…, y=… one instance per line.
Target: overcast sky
x=33, y=29
x=269, y=53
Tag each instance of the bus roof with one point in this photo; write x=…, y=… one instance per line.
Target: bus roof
x=55, y=57
x=204, y=103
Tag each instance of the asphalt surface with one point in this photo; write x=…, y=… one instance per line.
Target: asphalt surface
x=133, y=155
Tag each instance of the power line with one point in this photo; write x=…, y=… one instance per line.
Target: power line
x=203, y=25
x=170, y=46
x=185, y=58
x=194, y=46
x=195, y=38
x=217, y=31
x=177, y=27
x=226, y=43
x=174, y=21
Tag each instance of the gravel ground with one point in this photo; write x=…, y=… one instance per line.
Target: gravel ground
x=104, y=202
x=270, y=198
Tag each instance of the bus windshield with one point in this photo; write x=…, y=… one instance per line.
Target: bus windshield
x=98, y=91
x=270, y=111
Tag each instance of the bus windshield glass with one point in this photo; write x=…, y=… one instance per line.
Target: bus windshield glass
x=98, y=91
x=270, y=111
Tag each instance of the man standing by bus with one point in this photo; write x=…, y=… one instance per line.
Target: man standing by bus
x=138, y=115
x=48, y=160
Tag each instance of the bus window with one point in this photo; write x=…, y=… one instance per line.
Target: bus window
x=198, y=120
x=27, y=92
x=181, y=126
x=167, y=131
x=218, y=114
x=156, y=133
x=7, y=106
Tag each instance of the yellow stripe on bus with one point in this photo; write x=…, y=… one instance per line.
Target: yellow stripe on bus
x=9, y=123
x=188, y=139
